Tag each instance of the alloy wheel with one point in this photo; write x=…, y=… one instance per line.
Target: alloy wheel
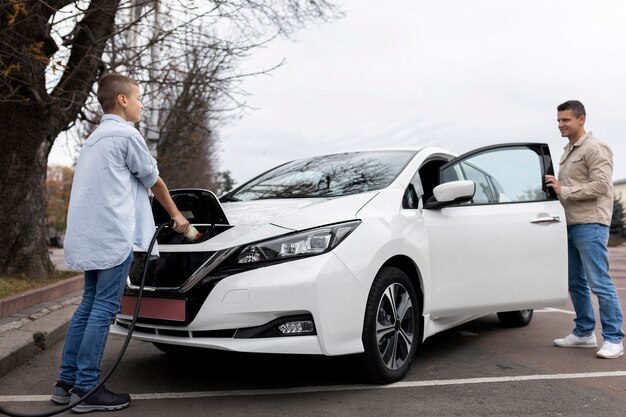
x=395, y=326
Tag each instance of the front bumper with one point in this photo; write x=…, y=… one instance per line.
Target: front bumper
x=321, y=287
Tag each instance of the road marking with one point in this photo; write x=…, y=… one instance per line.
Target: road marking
x=334, y=388
x=555, y=310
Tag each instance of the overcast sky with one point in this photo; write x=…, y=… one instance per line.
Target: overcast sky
x=451, y=73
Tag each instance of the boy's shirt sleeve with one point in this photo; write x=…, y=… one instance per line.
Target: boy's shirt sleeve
x=140, y=162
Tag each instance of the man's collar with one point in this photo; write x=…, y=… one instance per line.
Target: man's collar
x=582, y=139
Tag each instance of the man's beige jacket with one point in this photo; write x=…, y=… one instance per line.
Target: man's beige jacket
x=585, y=174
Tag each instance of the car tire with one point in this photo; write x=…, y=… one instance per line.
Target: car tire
x=518, y=318
x=390, y=334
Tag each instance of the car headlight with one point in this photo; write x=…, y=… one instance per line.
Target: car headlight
x=308, y=243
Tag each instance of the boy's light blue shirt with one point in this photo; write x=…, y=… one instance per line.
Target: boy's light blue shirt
x=109, y=205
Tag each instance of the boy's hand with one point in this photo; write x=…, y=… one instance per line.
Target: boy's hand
x=162, y=194
x=181, y=224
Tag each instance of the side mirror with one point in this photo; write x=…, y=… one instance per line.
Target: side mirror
x=450, y=193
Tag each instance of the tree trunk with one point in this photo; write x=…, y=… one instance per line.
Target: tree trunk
x=23, y=165
x=31, y=118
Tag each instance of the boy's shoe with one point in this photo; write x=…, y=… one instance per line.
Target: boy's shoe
x=573, y=341
x=61, y=393
x=101, y=400
x=610, y=350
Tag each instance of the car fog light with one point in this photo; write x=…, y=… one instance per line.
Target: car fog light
x=296, y=327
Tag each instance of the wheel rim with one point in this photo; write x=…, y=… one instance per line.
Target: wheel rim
x=395, y=326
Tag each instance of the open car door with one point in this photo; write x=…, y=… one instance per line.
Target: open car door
x=504, y=247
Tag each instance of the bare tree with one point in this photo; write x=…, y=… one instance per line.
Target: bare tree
x=225, y=182
x=187, y=143
x=51, y=54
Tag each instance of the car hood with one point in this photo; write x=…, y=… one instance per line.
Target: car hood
x=297, y=213
x=250, y=221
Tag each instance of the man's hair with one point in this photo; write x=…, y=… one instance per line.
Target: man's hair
x=575, y=106
x=112, y=85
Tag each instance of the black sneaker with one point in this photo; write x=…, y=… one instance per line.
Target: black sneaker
x=101, y=400
x=61, y=393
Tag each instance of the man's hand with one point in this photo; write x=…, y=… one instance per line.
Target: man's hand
x=553, y=183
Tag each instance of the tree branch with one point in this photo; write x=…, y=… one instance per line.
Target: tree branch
x=85, y=61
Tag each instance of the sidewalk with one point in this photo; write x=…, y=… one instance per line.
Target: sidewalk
x=37, y=319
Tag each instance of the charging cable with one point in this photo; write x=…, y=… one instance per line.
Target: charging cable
x=104, y=379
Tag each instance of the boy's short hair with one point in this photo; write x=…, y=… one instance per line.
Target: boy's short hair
x=111, y=85
x=575, y=106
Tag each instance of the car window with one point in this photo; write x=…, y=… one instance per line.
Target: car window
x=484, y=192
x=326, y=176
x=501, y=175
x=427, y=177
x=410, y=199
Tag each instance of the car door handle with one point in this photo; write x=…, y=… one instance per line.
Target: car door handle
x=546, y=219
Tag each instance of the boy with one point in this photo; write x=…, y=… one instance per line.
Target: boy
x=109, y=212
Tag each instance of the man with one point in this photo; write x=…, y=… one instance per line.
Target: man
x=109, y=212
x=585, y=189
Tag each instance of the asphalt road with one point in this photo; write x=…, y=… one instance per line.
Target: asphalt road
x=479, y=369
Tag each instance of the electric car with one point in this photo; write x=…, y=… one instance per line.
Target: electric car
x=359, y=253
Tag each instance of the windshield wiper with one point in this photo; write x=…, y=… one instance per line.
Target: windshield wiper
x=228, y=198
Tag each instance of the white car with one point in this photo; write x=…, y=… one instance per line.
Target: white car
x=365, y=253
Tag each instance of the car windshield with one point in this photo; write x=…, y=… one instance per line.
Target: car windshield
x=326, y=176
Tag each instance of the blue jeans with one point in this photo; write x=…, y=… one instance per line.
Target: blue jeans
x=589, y=268
x=88, y=330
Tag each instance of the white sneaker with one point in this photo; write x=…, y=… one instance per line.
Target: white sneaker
x=610, y=350
x=573, y=341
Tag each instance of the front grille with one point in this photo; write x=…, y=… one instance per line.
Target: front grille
x=226, y=333
x=137, y=329
x=170, y=270
x=173, y=333
x=269, y=329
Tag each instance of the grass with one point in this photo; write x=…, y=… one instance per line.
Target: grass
x=13, y=286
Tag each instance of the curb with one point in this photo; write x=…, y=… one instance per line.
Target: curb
x=30, y=327
x=18, y=346
x=13, y=304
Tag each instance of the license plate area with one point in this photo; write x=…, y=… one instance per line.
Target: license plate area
x=154, y=308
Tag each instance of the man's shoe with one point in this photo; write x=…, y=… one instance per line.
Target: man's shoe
x=610, y=350
x=573, y=341
x=101, y=400
x=61, y=393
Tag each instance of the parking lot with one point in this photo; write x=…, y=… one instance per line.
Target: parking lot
x=479, y=369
